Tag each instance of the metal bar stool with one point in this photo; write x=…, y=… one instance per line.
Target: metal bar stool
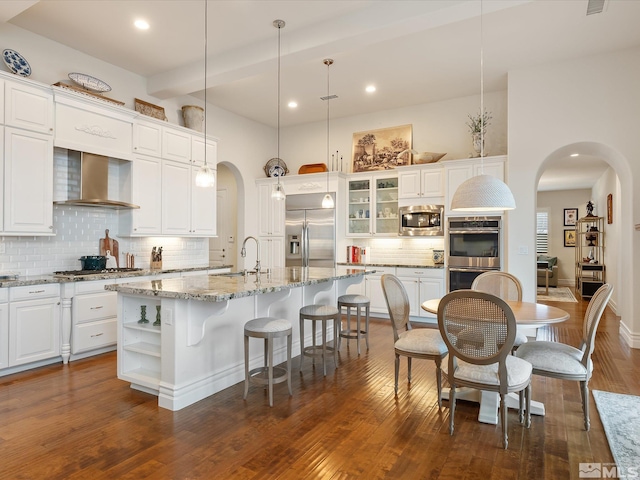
x=267, y=328
x=359, y=302
x=324, y=314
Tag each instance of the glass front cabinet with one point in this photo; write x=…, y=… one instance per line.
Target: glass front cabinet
x=372, y=205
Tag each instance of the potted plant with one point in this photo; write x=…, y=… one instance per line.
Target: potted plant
x=478, y=127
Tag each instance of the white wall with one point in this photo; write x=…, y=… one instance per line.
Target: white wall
x=590, y=106
x=437, y=127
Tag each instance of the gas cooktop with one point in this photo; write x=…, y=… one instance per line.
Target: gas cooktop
x=84, y=273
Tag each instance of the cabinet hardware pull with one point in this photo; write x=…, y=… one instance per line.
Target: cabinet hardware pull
x=96, y=335
x=96, y=308
x=37, y=291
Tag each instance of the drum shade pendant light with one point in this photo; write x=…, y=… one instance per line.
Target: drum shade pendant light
x=327, y=201
x=278, y=189
x=482, y=193
x=205, y=177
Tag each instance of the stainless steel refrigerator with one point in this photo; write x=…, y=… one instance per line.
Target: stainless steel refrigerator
x=310, y=232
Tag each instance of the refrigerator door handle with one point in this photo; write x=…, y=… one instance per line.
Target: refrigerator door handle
x=305, y=245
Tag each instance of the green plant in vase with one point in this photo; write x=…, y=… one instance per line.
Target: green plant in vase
x=478, y=127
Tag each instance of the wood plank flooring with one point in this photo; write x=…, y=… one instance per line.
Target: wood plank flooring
x=78, y=421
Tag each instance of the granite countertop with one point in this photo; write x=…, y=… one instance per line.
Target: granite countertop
x=25, y=280
x=430, y=265
x=218, y=288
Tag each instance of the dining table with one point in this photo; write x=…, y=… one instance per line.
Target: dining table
x=527, y=315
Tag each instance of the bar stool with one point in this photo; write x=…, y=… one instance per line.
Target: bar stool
x=324, y=314
x=359, y=302
x=267, y=328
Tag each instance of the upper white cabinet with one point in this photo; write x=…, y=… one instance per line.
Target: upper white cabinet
x=146, y=178
x=421, y=182
x=29, y=107
x=461, y=170
x=147, y=138
x=176, y=145
x=28, y=182
x=198, y=151
x=372, y=205
x=93, y=126
x=187, y=210
x=271, y=211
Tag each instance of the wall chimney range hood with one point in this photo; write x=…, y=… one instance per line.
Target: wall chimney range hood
x=94, y=182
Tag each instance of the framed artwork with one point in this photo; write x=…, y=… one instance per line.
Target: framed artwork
x=381, y=149
x=569, y=238
x=610, y=209
x=570, y=217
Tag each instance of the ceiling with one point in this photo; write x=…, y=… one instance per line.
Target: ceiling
x=413, y=51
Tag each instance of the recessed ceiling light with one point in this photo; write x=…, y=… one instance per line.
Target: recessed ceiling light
x=370, y=89
x=574, y=154
x=141, y=24
x=292, y=104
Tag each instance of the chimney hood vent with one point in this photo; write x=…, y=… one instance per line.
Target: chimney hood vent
x=94, y=182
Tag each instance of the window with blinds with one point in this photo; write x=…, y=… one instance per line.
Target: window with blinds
x=542, y=232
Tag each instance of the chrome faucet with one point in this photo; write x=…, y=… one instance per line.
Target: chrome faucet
x=243, y=253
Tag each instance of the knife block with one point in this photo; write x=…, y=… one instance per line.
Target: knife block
x=156, y=265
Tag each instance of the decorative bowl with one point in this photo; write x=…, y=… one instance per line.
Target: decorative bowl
x=90, y=83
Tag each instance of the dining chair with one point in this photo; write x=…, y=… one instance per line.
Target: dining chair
x=503, y=285
x=486, y=364
x=425, y=343
x=559, y=360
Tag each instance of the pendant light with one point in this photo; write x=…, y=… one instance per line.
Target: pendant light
x=482, y=193
x=327, y=201
x=205, y=177
x=278, y=189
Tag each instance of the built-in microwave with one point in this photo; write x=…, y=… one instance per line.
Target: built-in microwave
x=417, y=220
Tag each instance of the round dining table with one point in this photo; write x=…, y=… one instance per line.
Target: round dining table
x=527, y=315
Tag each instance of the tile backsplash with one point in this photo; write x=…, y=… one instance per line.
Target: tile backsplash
x=400, y=251
x=77, y=233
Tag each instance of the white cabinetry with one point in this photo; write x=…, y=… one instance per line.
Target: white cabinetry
x=28, y=182
x=271, y=211
x=176, y=145
x=425, y=183
x=147, y=194
x=271, y=226
x=147, y=138
x=372, y=205
x=139, y=344
x=461, y=170
x=272, y=252
x=187, y=210
x=373, y=289
x=4, y=328
x=421, y=284
x=94, y=317
x=28, y=107
x=34, y=323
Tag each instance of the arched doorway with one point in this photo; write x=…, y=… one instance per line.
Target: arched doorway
x=223, y=249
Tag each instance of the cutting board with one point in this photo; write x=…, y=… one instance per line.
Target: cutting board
x=108, y=243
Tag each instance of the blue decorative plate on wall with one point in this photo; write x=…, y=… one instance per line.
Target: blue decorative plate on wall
x=16, y=62
x=276, y=167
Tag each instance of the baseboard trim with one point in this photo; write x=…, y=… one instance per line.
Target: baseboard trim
x=631, y=339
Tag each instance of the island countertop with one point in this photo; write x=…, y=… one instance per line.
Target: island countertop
x=221, y=287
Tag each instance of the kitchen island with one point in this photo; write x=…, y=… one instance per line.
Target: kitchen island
x=196, y=347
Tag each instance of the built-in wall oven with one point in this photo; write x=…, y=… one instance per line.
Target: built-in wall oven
x=474, y=247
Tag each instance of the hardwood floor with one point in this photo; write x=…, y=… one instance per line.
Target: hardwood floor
x=79, y=421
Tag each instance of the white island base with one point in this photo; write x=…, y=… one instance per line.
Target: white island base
x=198, y=349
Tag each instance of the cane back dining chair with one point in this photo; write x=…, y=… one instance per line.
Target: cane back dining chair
x=558, y=360
x=412, y=343
x=485, y=363
x=505, y=286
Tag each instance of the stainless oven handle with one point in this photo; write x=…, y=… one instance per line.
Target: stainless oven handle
x=474, y=231
x=472, y=269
